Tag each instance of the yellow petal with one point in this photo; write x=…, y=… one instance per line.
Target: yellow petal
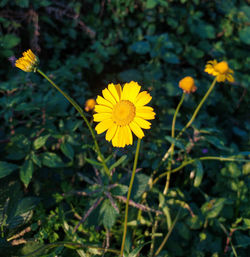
x=129, y=134
x=136, y=129
x=144, y=109
x=142, y=123
x=108, y=96
x=103, y=108
x=103, y=126
x=113, y=91
x=115, y=141
x=230, y=78
x=101, y=116
x=130, y=91
x=119, y=90
x=111, y=132
x=142, y=99
x=102, y=101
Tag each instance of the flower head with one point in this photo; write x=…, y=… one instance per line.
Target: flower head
x=187, y=85
x=90, y=104
x=122, y=110
x=28, y=62
x=220, y=70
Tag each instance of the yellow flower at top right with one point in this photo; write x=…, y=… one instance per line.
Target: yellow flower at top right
x=220, y=70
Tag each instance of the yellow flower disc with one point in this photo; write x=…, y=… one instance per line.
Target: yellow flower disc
x=187, y=85
x=122, y=111
x=28, y=62
x=220, y=70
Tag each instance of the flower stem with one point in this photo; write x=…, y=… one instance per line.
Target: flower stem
x=200, y=159
x=193, y=117
x=198, y=108
x=80, y=111
x=172, y=145
x=128, y=196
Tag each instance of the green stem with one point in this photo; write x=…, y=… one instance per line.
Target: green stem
x=198, y=107
x=128, y=196
x=200, y=159
x=193, y=117
x=80, y=111
x=172, y=145
x=168, y=234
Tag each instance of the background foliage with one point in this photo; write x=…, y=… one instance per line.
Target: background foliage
x=48, y=169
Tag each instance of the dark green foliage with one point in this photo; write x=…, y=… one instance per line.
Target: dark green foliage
x=48, y=155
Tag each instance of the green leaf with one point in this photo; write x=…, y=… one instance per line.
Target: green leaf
x=141, y=47
x=118, y=162
x=40, y=141
x=52, y=160
x=68, y=150
x=198, y=173
x=10, y=41
x=151, y=4
x=212, y=208
x=26, y=172
x=140, y=185
x=245, y=35
x=109, y=214
x=135, y=252
x=6, y=168
x=120, y=190
x=22, y=3
x=93, y=162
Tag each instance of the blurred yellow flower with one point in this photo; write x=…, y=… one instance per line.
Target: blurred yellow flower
x=122, y=110
x=187, y=85
x=90, y=104
x=220, y=70
x=28, y=62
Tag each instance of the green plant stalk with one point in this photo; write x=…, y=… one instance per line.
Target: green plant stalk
x=193, y=160
x=168, y=234
x=193, y=116
x=128, y=196
x=80, y=111
x=172, y=145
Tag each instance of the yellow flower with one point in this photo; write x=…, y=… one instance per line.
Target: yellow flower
x=187, y=85
x=28, y=62
x=90, y=104
x=220, y=70
x=122, y=110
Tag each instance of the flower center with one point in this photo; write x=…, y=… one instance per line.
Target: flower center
x=221, y=67
x=123, y=113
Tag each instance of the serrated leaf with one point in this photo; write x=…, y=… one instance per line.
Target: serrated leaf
x=118, y=162
x=52, y=160
x=139, y=186
x=109, y=214
x=26, y=172
x=120, y=190
x=7, y=168
x=40, y=141
x=68, y=150
x=198, y=173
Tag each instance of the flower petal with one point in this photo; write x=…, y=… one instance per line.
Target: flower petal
x=108, y=96
x=130, y=91
x=142, y=123
x=111, y=132
x=130, y=136
x=102, y=108
x=101, y=116
x=136, y=129
x=103, y=126
x=143, y=98
x=102, y=101
x=113, y=91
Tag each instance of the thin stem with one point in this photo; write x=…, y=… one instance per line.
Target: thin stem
x=198, y=107
x=80, y=111
x=168, y=234
x=172, y=145
x=193, y=160
x=128, y=196
x=193, y=116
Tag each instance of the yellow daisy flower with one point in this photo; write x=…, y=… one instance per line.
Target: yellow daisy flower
x=122, y=110
x=187, y=85
x=220, y=70
x=90, y=104
x=28, y=62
